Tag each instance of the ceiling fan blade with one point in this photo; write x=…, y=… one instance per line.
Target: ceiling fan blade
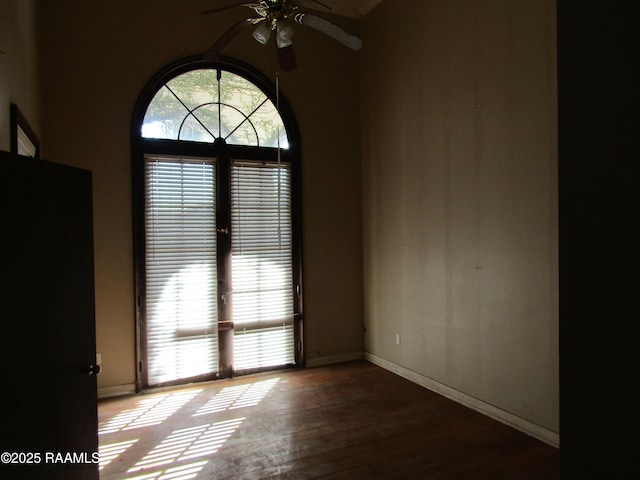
x=331, y=29
x=227, y=7
x=286, y=58
x=313, y=4
x=215, y=49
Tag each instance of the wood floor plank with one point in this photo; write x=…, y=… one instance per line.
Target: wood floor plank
x=348, y=421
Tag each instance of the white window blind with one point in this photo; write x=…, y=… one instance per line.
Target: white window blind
x=181, y=277
x=262, y=264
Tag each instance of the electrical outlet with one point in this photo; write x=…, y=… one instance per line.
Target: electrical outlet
x=98, y=359
x=397, y=339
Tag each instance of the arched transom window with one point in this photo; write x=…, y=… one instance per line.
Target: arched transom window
x=203, y=105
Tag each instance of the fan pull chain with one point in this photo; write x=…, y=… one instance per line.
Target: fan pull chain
x=279, y=163
x=219, y=77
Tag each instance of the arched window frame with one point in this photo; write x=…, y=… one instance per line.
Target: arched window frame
x=224, y=152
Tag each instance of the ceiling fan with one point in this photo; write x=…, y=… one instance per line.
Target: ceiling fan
x=278, y=16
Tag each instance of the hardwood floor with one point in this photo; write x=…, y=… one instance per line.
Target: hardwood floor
x=349, y=421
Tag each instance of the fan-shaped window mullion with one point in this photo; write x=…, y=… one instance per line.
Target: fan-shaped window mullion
x=192, y=114
x=245, y=120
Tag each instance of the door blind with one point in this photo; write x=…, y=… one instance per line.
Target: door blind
x=181, y=278
x=262, y=264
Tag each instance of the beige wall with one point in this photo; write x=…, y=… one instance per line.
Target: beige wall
x=459, y=142
x=18, y=65
x=96, y=58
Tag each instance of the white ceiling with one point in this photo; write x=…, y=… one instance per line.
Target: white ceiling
x=351, y=8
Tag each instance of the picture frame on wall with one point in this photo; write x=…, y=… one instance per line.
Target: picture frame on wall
x=24, y=141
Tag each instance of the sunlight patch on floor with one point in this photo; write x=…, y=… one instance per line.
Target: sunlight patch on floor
x=238, y=396
x=111, y=451
x=183, y=472
x=180, y=454
x=187, y=444
x=149, y=411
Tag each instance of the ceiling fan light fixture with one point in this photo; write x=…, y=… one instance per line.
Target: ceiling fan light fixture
x=284, y=33
x=262, y=33
x=279, y=16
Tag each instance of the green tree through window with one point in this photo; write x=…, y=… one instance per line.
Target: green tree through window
x=204, y=104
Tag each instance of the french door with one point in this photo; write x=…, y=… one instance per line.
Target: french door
x=220, y=290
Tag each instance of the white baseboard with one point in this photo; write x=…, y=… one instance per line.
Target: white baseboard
x=117, y=390
x=536, y=431
x=333, y=359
